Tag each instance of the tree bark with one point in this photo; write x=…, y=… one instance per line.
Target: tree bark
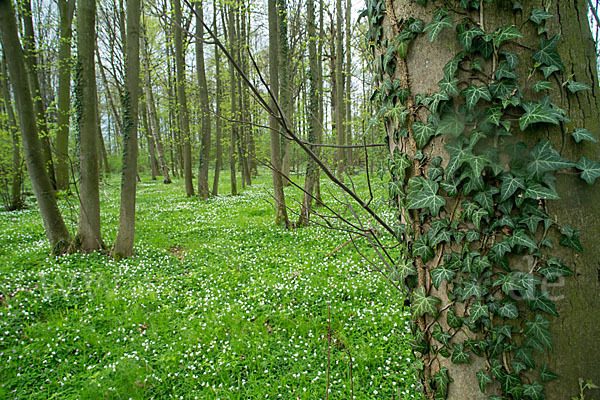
x=234, y=112
x=56, y=230
x=88, y=233
x=348, y=91
x=34, y=83
x=151, y=145
x=61, y=144
x=126, y=235
x=183, y=115
x=576, y=329
x=281, y=217
x=204, y=106
x=285, y=85
x=219, y=145
x=340, y=111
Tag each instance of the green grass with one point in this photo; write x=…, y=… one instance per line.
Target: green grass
x=218, y=303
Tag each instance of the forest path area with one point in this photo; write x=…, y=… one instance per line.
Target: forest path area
x=218, y=303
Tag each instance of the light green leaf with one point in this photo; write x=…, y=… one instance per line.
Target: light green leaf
x=535, y=391
x=425, y=197
x=477, y=312
x=448, y=85
x=548, y=55
x=440, y=21
x=508, y=310
x=539, y=332
x=466, y=37
x=459, y=355
x=483, y=378
x=590, y=170
x=405, y=269
x=543, y=303
x=542, y=85
x=521, y=238
x=440, y=274
x=536, y=191
x=554, y=269
x=509, y=186
x=422, y=304
x=493, y=114
x=575, y=87
x=536, y=113
x=583, y=134
x=422, y=133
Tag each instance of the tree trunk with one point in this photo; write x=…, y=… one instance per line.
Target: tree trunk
x=505, y=364
x=234, y=112
x=348, y=92
x=183, y=116
x=38, y=104
x=313, y=115
x=153, y=116
x=151, y=145
x=61, y=144
x=281, y=217
x=219, y=145
x=56, y=230
x=340, y=111
x=16, y=181
x=204, y=105
x=285, y=85
x=88, y=233
x=126, y=235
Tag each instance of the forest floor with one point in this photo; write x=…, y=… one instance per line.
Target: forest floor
x=218, y=303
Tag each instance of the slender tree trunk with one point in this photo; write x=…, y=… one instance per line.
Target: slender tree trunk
x=152, y=114
x=234, y=112
x=61, y=144
x=281, y=217
x=312, y=114
x=151, y=146
x=340, y=111
x=204, y=106
x=219, y=145
x=184, y=122
x=320, y=93
x=56, y=230
x=348, y=91
x=16, y=185
x=285, y=86
x=88, y=233
x=126, y=235
x=38, y=104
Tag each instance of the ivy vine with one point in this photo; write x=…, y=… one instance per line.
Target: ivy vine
x=469, y=220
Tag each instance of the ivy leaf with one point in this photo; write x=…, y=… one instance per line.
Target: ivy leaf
x=538, y=15
x=536, y=191
x=575, y=87
x=538, y=332
x=472, y=288
x=416, y=25
x=590, y=170
x=583, y=134
x=453, y=320
x=542, y=85
x=525, y=354
x=508, y=310
x=548, y=55
x=426, y=197
x=483, y=378
x=422, y=133
x=442, y=380
x=441, y=273
x=422, y=304
x=459, y=355
x=405, y=269
x=466, y=37
x=501, y=248
x=509, y=186
x=546, y=159
x=543, y=303
x=549, y=70
x=450, y=123
x=493, y=114
x=536, y=113
x=503, y=89
x=570, y=238
x=440, y=21
x=554, y=269
x=441, y=336
x=504, y=71
x=546, y=375
x=521, y=238
x=473, y=93
x=452, y=66
x=506, y=33
x=477, y=312
x=448, y=85
x=511, y=384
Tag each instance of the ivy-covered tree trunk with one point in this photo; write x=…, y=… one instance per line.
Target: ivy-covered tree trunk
x=125, y=237
x=88, y=233
x=491, y=113
x=204, y=105
x=218, y=94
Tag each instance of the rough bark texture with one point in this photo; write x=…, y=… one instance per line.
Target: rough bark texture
x=285, y=84
x=219, y=145
x=281, y=217
x=576, y=330
x=56, y=230
x=234, y=112
x=348, y=92
x=61, y=143
x=184, y=122
x=125, y=237
x=151, y=146
x=204, y=106
x=340, y=111
x=88, y=233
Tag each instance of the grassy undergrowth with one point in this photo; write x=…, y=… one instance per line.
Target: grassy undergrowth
x=218, y=303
